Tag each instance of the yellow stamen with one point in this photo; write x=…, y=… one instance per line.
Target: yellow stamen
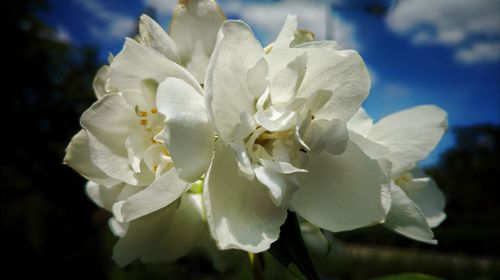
x=144, y=122
x=142, y=114
x=154, y=110
x=266, y=136
x=403, y=179
x=155, y=167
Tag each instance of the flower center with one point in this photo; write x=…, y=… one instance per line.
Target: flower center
x=151, y=121
x=267, y=136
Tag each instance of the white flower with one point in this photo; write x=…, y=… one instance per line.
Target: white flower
x=408, y=136
x=283, y=143
x=125, y=149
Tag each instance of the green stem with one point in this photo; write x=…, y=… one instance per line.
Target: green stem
x=256, y=263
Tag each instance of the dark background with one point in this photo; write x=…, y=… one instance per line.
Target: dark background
x=50, y=228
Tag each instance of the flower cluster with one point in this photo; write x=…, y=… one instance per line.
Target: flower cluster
x=202, y=136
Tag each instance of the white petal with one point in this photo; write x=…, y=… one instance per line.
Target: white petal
x=410, y=135
x=343, y=73
x=142, y=234
x=101, y=81
x=405, y=218
x=152, y=35
x=373, y=149
x=104, y=196
x=361, y=123
x=276, y=120
x=244, y=163
x=286, y=82
x=287, y=33
x=136, y=63
x=281, y=167
x=256, y=77
x=330, y=136
x=116, y=166
x=110, y=120
x=78, y=157
x=128, y=191
x=240, y=212
x=194, y=29
x=226, y=92
x=185, y=231
x=117, y=228
x=326, y=45
x=317, y=101
x=341, y=192
x=278, y=189
x=162, y=192
x=188, y=134
x=431, y=201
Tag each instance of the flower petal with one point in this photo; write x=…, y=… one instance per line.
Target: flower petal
x=101, y=81
x=103, y=196
x=152, y=35
x=371, y=148
x=240, y=213
x=343, y=73
x=341, y=192
x=330, y=136
x=226, y=93
x=405, y=218
x=162, y=192
x=278, y=188
x=117, y=228
x=194, y=29
x=361, y=123
x=136, y=63
x=116, y=166
x=431, y=201
x=410, y=135
x=143, y=234
x=326, y=45
x=188, y=134
x=286, y=82
x=78, y=157
x=110, y=120
x=287, y=33
x=185, y=231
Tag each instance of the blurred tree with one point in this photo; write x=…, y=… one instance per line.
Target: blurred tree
x=467, y=174
x=48, y=226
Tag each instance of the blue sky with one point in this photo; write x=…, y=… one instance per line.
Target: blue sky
x=443, y=52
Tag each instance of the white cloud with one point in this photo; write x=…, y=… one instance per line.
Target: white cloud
x=454, y=23
x=313, y=16
x=111, y=25
x=344, y=33
x=479, y=52
x=163, y=7
x=62, y=34
x=268, y=18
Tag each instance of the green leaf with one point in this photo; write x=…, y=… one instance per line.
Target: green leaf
x=408, y=276
x=291, y=250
